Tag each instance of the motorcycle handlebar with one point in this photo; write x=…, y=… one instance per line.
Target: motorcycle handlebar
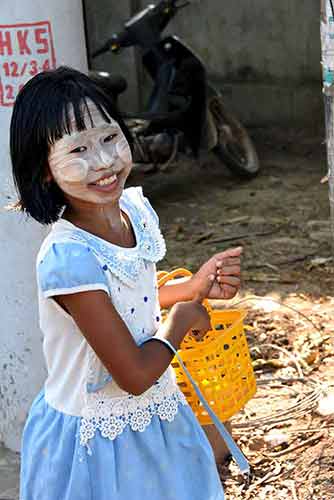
x=115, y=43
x=123, y=38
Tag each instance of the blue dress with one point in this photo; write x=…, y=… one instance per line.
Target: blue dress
x=85, y=438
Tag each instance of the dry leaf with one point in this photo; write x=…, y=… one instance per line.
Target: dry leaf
x=317, y=262
x=275, y=438
x=326, y=405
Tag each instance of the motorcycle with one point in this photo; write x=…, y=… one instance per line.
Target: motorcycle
x=185, y=113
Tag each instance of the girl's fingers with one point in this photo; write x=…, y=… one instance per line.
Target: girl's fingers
x=231, y=252
x=233, y=261
x=229, y=280
x=229, y=291
x=198, y=334
x=204, y=290
x=229, y=270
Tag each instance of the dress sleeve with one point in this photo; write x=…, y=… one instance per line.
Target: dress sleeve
x=70, y=267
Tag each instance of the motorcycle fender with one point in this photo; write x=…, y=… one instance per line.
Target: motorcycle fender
x=171, y=48
x=181, y=48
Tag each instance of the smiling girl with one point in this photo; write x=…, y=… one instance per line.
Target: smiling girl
x=110, y=422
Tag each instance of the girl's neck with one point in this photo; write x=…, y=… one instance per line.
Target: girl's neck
x=107, y=222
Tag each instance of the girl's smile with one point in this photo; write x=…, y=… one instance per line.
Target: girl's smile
x=105, y=181
x=106, y=184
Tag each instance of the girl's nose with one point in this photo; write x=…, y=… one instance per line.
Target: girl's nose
x=102, y=160
x=106, y=159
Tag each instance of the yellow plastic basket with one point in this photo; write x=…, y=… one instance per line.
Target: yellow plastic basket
x=220, y=363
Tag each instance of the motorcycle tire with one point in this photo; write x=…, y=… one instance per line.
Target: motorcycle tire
x=234, y=146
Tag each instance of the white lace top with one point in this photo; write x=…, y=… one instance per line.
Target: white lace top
x=72, y=260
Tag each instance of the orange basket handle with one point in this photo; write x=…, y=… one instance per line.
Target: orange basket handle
x=164, y=277
x=160, y=275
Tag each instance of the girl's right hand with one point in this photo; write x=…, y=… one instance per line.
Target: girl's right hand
x=192, y=314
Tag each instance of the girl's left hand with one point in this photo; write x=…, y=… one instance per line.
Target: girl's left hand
x=225, y=266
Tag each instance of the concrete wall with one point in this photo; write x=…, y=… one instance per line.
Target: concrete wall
x=264, y=54
x=103, y=18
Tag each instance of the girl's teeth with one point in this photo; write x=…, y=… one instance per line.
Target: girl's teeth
x=105, y=182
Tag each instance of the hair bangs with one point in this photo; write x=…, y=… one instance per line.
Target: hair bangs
x=71, y=111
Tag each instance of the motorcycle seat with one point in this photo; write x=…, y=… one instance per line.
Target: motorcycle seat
x=111, y=84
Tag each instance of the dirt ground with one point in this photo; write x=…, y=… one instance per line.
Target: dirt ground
x=282, y=220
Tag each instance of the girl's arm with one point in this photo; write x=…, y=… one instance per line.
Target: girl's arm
x=134, y=368
x=177, y=290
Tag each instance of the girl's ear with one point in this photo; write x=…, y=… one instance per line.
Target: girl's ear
x=47, y=179
x=48, y=176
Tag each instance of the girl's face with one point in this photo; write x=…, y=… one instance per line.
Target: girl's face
x=92, y=165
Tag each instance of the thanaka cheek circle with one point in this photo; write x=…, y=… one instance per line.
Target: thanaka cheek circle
x=75, y=170
x=123, y=151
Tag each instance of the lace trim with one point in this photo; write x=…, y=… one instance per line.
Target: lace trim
x=111, y=415
x=128, y=265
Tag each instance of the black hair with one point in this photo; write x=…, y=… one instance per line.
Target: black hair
x=41, y=117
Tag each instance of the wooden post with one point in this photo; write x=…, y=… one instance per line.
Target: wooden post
x=327, y=61
x=135, y=6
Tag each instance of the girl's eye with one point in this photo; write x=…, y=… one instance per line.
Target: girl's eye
x=80, y=149
x=110, y=138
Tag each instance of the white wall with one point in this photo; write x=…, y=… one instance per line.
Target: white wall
x=31, y=33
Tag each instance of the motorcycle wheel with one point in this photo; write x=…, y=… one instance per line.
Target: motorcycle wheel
x=234, y=147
